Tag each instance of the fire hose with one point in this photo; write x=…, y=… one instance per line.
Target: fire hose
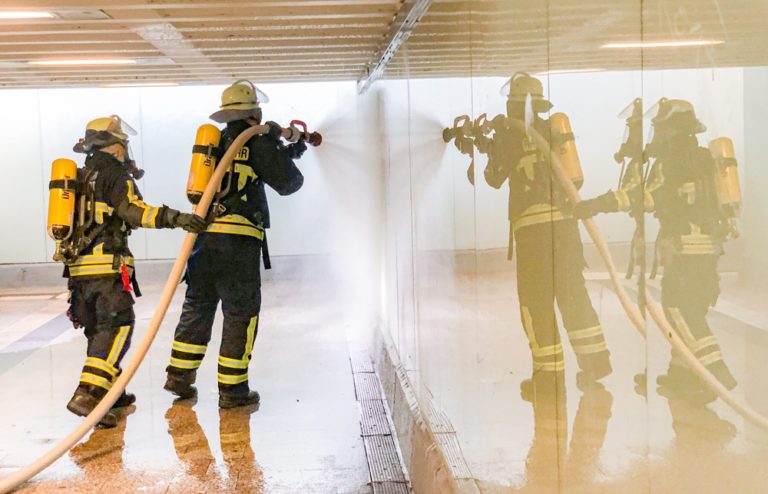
x=24, y=474
x=657, y=313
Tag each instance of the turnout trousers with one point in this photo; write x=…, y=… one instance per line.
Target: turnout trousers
x=105, y=309
x=226, y=268
x=550, y=264
x=689, y=287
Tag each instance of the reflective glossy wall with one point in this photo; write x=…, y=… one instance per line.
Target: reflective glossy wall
x=553, y=377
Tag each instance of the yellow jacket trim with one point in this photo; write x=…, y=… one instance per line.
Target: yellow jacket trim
x=149, y=215
x=189, y=347
x=538, y=214
x=98, y=264
x=234, y=224
x=103, y=208
x=623, y=199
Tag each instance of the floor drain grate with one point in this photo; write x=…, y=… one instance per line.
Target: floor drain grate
x=388, y=476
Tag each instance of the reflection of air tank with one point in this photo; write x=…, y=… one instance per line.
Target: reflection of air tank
x=203, y=161
x=61, y=202
x=566, y=149
x=726, y=176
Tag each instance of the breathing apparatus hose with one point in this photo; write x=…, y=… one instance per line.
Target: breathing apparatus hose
x=657, y=313
x=22, y=475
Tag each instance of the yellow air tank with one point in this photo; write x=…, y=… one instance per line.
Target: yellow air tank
x=61, y=202
x=726, y=176
x=566, y=151
x=203, y=161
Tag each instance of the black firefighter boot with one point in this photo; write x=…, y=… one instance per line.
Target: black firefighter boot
x=181, y=383
x=85, y=399
x=126, y=399
x=238, y=395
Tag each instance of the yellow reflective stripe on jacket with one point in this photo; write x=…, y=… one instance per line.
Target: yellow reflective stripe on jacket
x=97, y=264
x=149, y=215
x=103, y=208
x=699, y=244
x=234, y=224
x=623, y=199
x=244, y=172
x=538, y=214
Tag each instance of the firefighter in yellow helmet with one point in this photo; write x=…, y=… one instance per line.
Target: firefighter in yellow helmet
x=681, y=191
x=225, y=264
x=99, y=263
x=550, y=258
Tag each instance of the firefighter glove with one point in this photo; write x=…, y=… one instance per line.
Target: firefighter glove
x=190, y=222
x=296, y=150
x=605, y=203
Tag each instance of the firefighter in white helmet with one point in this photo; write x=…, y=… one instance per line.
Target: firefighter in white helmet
x=226, y=260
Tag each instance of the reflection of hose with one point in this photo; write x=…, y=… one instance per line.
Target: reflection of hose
x=677, y=343
x=26, y=473
x=653, y=307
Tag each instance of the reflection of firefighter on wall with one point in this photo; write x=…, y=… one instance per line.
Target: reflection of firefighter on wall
x=92, y=210
x=550, y=259
x=694, y=192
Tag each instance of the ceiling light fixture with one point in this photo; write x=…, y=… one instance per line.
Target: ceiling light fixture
x=665, y=44
x=8, y=14
x=87, y=61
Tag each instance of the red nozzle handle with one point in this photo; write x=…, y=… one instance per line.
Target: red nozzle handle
x=299, y=124
x=313, y=138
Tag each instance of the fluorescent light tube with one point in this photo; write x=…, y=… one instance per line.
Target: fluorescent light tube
x=665, y=44
x=4, y=15
x=87, y=61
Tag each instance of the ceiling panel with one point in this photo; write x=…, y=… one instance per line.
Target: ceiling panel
x=214, y=41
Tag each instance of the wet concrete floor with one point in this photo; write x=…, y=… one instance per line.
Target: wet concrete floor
x=609, y=439
x=303, y=437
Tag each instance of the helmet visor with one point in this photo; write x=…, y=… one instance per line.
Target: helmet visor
x=123, y=126
x=633, y=110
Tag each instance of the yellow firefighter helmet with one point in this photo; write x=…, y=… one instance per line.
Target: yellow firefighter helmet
x=104, y=131
x=520, y=86
x=239, y=101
